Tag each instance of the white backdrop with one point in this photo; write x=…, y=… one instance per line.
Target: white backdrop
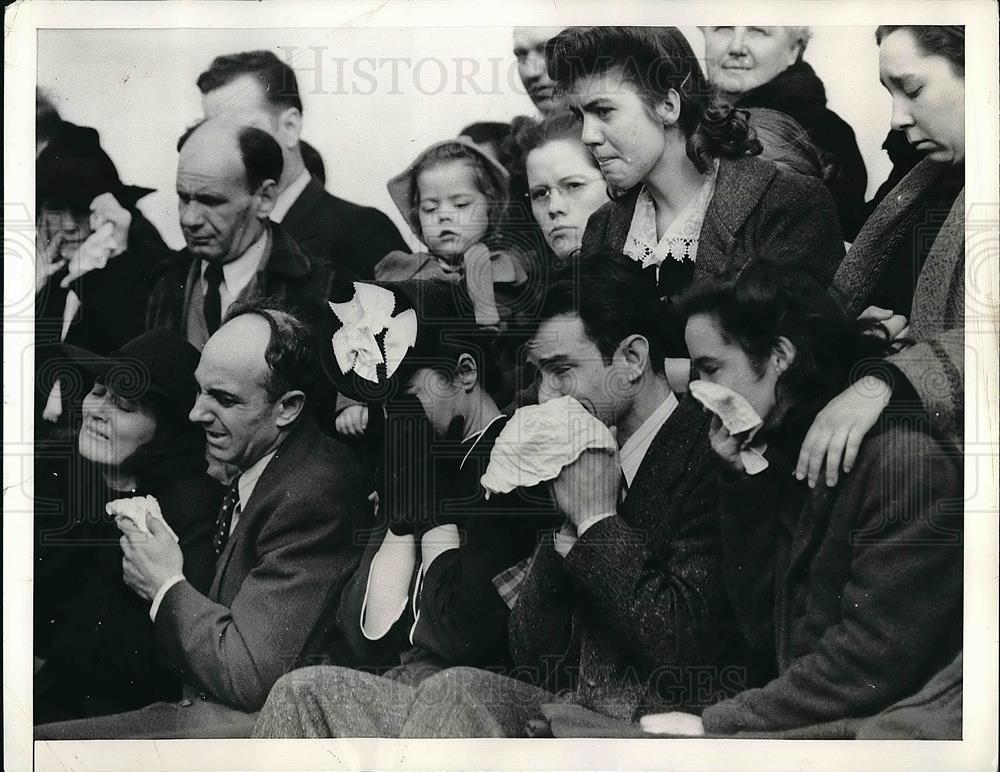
x=373, y=98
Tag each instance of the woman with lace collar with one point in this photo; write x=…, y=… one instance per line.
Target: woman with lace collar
x=691, y=197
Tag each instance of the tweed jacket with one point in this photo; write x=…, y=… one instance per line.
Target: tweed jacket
x=935, y=365
x=348, y=238
x=277, y=583
x=637, y=609
x=858, y=587
x=758, y=210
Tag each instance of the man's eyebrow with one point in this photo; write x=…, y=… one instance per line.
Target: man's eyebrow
x=553, y=360
x=216, y=393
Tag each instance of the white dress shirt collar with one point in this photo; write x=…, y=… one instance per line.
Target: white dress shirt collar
x=288, y=196
x=236, y=275
x=248, y=480
x=634, y=450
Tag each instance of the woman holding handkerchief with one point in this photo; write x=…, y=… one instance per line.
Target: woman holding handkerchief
x=138, y=463
x=855, y=592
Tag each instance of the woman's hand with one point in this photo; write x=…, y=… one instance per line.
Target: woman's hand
x=839, y=428
x=896, y=325
x=479, y=281
x=726, y=446
x=47, y=259
x=352, y=421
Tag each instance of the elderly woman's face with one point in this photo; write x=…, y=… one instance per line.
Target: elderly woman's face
x=741, y=58
x=928, y=97
x=73, y=229
x=565, y=188
x=113, y=427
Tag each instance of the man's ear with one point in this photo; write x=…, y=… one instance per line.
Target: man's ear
x=783, y=354
x=635, y=349
x=668, y=108
x=289, y=128
x=267, y=195
x=290, y=407
x=467, y=372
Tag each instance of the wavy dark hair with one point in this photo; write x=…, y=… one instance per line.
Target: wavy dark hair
x=614, y=298
x=785, y=143
x=946, y=41
x=765, y=301
x=656, y=60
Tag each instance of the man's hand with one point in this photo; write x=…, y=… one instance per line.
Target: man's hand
x=588, y=486
x=686, y=724
x=838, y=430
x=352, y=421
x=896, y=325
x=148, y=560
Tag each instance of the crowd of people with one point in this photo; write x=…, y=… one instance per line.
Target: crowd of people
x=259, y=507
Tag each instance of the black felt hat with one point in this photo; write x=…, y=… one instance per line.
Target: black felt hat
x=73, y=170
x=159, y=362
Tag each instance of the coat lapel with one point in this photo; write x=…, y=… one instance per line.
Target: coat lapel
x=945, y=259
x=664, y=465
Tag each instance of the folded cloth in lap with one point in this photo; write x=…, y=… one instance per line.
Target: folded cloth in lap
x=539, y=440
x=135, y=509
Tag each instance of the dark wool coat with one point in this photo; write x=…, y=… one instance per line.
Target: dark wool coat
x=935, y=366
x=347, y=237
x=635, y=617
x=799, y=93
x=857, y=588
x=93, y=631
x=758, y=210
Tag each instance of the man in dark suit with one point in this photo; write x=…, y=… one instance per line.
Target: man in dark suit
x=350, y=238
x=284, y=540
x=624, y=608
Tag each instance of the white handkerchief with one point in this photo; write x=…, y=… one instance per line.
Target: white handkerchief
x=539, y=440
x=135, y=509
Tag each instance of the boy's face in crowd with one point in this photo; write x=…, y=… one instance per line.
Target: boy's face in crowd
x=453, y=213
x=742, y=58
x=569, y=363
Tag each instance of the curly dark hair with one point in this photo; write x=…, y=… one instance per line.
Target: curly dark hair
x=656, y=60
x=946, y=41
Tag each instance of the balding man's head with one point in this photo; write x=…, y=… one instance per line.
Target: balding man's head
x=253, y=377
x=227, y=174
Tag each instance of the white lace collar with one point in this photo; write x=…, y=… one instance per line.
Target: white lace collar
x=680, y=241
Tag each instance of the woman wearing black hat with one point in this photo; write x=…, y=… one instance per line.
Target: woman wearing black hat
x=93, y=632
x=85, y=217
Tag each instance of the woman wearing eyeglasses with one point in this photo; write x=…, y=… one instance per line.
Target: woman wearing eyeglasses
x=565, y=185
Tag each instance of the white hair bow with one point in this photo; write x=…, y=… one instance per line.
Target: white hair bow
x=363, y=318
